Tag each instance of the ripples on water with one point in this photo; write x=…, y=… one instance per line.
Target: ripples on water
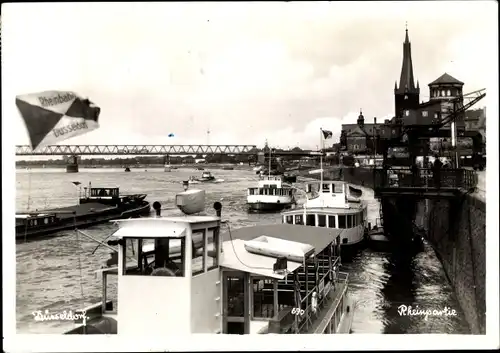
x=58, y=273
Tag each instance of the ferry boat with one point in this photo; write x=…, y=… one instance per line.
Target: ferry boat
x=270, y=194
x=332, y=204
x=96, y=205
x=254, y=280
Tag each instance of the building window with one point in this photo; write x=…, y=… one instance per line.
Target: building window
x=448, y=93
x=436, y=116
x=442, y=93
x=407, y=112
x=425, y=113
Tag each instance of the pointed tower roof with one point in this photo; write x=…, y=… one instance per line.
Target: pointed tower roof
x=445, y=78
x=406, y=80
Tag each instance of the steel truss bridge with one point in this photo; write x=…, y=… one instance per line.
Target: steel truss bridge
x=103, y=150
x=151, y=150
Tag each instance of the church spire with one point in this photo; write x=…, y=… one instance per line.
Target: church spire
x=406, y=80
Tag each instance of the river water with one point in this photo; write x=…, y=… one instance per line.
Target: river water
x=58, y=273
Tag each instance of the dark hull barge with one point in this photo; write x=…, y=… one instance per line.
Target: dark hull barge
x=99, y=205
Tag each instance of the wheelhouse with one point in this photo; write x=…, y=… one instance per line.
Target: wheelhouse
x=104, y=193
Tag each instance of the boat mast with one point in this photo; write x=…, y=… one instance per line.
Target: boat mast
x=29, y=188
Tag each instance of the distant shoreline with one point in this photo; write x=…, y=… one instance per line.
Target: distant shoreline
x=143, y=166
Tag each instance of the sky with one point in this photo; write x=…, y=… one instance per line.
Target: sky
x=245, y=71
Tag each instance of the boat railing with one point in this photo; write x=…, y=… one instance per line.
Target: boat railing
x=307, y=318
x=287, y=318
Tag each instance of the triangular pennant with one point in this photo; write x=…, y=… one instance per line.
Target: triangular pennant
x=39, y=121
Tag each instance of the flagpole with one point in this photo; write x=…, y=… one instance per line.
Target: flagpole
x=321, y=157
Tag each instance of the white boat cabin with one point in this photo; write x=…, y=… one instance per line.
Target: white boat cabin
x=207, y=175
x=35, y=219
x=271, y=185
x=176, y=276
x=330, y=205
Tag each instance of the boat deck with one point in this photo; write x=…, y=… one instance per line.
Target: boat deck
x=80, y=210
x=324, y=316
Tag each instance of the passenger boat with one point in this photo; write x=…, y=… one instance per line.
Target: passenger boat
x=270, y=194
x=167, y=168
x=331, y=204
x=127, y=169
x=206, y=177
x=96, y=205
x=276, y=279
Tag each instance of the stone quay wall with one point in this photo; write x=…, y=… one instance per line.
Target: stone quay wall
x=457, y=231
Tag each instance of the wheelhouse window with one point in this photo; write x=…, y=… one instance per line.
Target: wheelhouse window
x=331, y=222
x=311, y=220
x=263, y=298
x=321, y=220
x=326, y=188
x=299, y=219
x=154, y=257
x=289, y=219
x=337, y=188
x=212, y=248
x=342, y=221
x=198, y=251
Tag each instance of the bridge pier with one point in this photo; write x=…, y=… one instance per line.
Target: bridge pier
x=72, y=164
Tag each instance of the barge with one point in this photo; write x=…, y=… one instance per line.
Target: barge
x=97, y=205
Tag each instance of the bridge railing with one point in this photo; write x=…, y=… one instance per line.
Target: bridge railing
x=425, y=178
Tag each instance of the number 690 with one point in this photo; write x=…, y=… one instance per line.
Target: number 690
x=298, y=311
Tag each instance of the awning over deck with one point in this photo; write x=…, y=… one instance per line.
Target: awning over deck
x=318, y=237
x=257, y=264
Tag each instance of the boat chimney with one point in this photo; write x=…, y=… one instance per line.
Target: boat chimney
x=185, y=184
x=218, y=208
x=157, y=208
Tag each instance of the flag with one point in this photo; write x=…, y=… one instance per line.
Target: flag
x=76, y=183
x=54, y=116
x=327, y=134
